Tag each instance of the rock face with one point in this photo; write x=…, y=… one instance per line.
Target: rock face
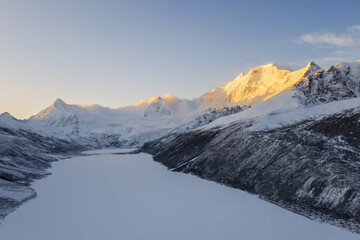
x=333, y=84
x=311, y=168
x=24, y=156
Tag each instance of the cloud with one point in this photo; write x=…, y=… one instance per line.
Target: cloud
x=327, y=60
x=349, y=38
x=327, y=38
x=354, y=28
x=342, y=52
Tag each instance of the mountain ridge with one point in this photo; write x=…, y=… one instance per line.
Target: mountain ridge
x=296, y=146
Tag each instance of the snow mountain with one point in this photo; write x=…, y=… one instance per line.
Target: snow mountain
x=258, y=85
x=157, y=108
x=25, y=154
x=299, y=149
x=97, y=126
x=335, y=83
x=290, y=137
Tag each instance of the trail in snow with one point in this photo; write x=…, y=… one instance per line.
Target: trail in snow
x=132, y=197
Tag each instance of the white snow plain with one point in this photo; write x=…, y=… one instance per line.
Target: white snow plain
x=132, y=197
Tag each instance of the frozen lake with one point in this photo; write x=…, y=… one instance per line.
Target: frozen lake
x=132, y=197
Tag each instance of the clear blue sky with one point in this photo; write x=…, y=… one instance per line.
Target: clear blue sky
x=116, y=52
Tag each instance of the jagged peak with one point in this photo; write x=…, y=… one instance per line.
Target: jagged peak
x=311, y=68
x=158, y=99
x=312, y=64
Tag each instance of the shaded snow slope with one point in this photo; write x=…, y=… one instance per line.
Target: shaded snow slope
x=283, y=110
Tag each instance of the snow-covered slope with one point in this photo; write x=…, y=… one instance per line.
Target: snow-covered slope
x=258, y=85
x=297, y=120
x=299, y=149
x=300, y=102
x=8, y=121
x=97, y=126
x=158, y=108
x=25, y=154
x=268, y=89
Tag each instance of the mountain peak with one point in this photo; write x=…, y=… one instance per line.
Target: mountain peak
x=311, y=68
x=157, y=108
x=312, y=64
x=158, y=99
x=7, y=115
x=59, y=104
x=59, y=101
x=258, y=85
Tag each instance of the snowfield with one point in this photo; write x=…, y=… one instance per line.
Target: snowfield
x=132, y=197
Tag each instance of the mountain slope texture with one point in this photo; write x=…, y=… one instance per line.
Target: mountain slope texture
x=291, y=137
x=300, y=149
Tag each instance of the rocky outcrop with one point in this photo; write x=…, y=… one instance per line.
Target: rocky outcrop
x=333, y=84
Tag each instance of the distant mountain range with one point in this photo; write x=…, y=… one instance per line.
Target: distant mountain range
x=96, y=126
x=292, y=137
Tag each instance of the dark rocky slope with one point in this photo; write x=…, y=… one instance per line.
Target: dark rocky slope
x=312, y=167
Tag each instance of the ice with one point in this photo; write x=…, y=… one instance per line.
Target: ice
x=132, y=197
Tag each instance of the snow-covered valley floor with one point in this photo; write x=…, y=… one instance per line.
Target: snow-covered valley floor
x=132, y=197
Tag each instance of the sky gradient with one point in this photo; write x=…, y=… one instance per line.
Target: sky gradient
x=114, y=53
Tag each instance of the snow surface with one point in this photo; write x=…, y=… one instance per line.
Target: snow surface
x=258, y=85
x=8, y=121
x=282, y=110
x=132, y=197
x=141, y=122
